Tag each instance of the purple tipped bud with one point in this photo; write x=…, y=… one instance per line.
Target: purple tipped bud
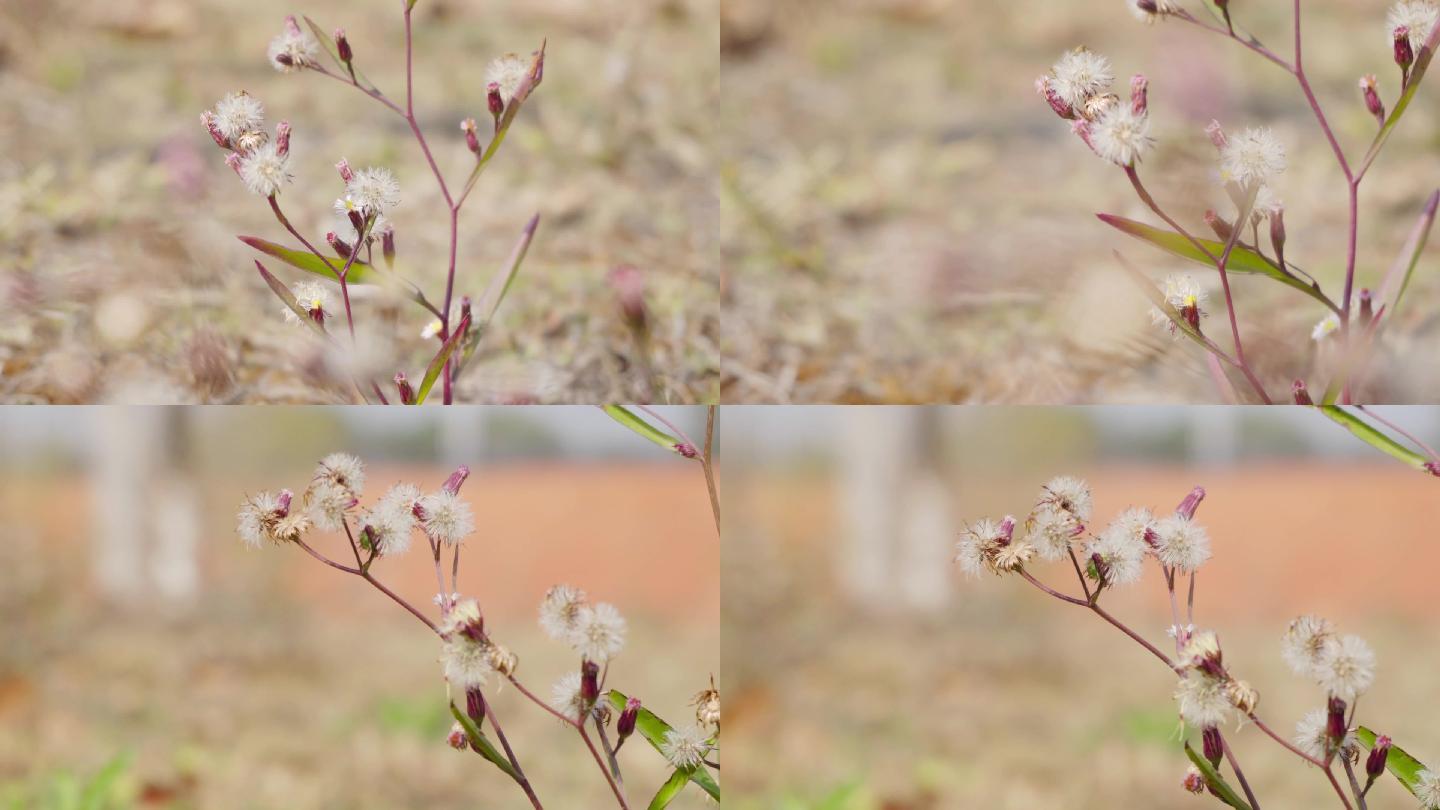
x=472, y=141
x=457, y=738
x=387, y=246
x=625, y=726
x=1404, y=54
x=1061, y=107
x=344, y=168
x=1187, y=507
x=207, y=119
x=1367, y=307
x=285, y=59
x=495, y=102
x=407, y=393
x=1218, y=224
x=1433, y=467
x=342, y=46
x=292, y=26
x=1007, y=530
x=475, y=705
x=1277, y=233
x=1139, y=86
x=357, y=221
x=1100, y=568
x=282, y=503
x=1301, y=394
x=233, y=161
x=1214, y=748
x=1335, y=728
x=685, y=449
x=1372, y=98
x=1216, y=134
x=1375, y=763
x=282, y=138
x=589, y=682
x=465, y=308
x=452, y=484
x=337, y=244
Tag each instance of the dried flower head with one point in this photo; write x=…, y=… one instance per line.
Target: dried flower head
x=1148, y=11
x=560, y=611
x=1181, y=543
x=598, y=633
x=264, y=170
x=1079, y=74
x=986, y=545
x=1252, y=157
x=1346, y=668
x=293, y=48
x=445, y=517
x=1121, y=135
x=1243, y=696
x=685, y=747
x=707, y=705
x=1067, y=494
x=261, y=517
x=1204, y=700
x=1304, y=644
x=373, y=191
x=237, y=114
x=1418, y=17
x=506, y=73
x=343, y=470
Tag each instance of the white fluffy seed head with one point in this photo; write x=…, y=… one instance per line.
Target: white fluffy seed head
x=1312, y=736
x=599, y=632
x=295, y=44
x=328, y=503
x=1304, y=643
x=1204, y=701
x=264, y=170
x=1080, y=74
x=685, y=747
x=1068, y=494
x=239, y=113
x=1121, y=135
x=1427, y=789
x=392, y=520
x=255, y=517
x=1417, y=16
x=374, y=191
x=1148, y=11
x=1346, y=668
x=506, y=72
x=311, y=296
x=343, y=470
x=446, y=517
x=565, y=696
x=560, y=611
x=1253, y=157
x=1051, y=532
x=1181, y=543
x=1122, y=547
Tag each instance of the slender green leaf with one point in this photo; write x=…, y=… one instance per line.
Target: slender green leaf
x=327, y=41
x=482, y=744
x=432, y=373
x=1404, y=767
x=1373, y=437
x=500, y=283
x=668, y=791
x=1404, y=266
x=653, y=729
x=287, y=298
x=1215, y=781
x=629, y=419
x=1242, y=259
x=1417, y=72
x=359, y=272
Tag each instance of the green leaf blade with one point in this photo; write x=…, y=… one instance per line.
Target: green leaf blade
x=668, y=791
x=1372, y=436
x=652, y=728
x=631, y=420
x=1400, y=764
x=437, y=364
x=482, y=744
x=359, y=272
x=1215, y=781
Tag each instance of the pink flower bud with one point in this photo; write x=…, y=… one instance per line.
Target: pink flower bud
x=357, y=221
x=472, y=141
x=1214, y=748
x=337, y=244
x=282, y=138
x=452, y=484
x=292, y=26
x=1194, y=782
x=387, y=246
x=1300, y=393
x=282, y=503
x=1007, y=530
x=1058, y=104
x=475, y=705
x=1375, y=763
x=1139, y=87
x=495, y=102
x=1218, y=224
x=1433, y=467
x=685, y=449
x=457, y=738
x=344, y=168
x=1187, y=507
x=407, y=393
x=233, y=161
x=1367, y=307
x=1081, y=128
x=1372, y=98
x=342, y=46
x=1335, y=727
x=207, y=119
x=1404, y=54
x=589, y=682
x=1216, y=134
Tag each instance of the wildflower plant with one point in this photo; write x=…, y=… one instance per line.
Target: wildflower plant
x=1116, y=127
x=366, y=199
x=1210, y=697
x=473, y=663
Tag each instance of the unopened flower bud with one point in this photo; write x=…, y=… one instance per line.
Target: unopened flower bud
x=475, y=705
x=1098, y=566
x=387, y=246
x=1007, y=530
x=1046, y=89
x=233, y=161
x=1187, y=507
x=1216, y=134
x=1300, y=393
x=589, y=682
x=285, y=59
x=1214, y=747
x=1367, y=307
x=452, y=484
x=625, y=726
x=207, y=119
x=1372, y=98
x=1375, y=763
x=357, y=221
x=1193, y=781
x=685, y=449
x=344, y=168
x=282, y=138
x=1139, y=86
x=407, y=393
x=1335, y=727
x=1218, y=224
x=342, y=46
x=1404, y=54
x=457, y=738
x=337, y=244
x=495, y=102
x=1277, y=234
x=282, y=503
x=472, y=141
x=1433, y=467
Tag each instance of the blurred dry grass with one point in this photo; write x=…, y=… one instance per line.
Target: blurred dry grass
x=290, y=685
x=121, y=280
x=1009, y=699
x=905, y=221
